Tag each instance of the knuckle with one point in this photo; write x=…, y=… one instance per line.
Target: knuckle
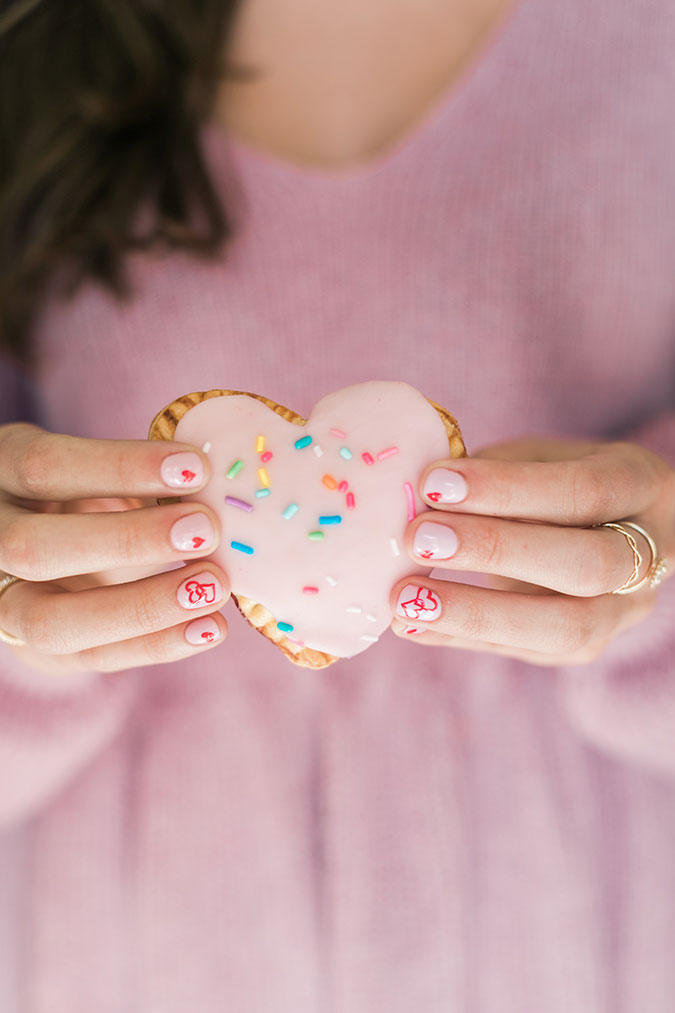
x=575, y=632
x=159, y=649
x=590, y=494
x=473, y=621
x=41, y=628
x=487, y=546
x=36, y=464
x=145, y=614
x=20, y=549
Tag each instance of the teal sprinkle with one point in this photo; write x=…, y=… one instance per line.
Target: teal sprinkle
x=346, y=453
x=304, y=441
x=285, y=627
x=291, y=509
x=242, y=548
x=330, y=519
x=262, y=492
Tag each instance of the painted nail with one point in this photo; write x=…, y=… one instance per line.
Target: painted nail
x=181, y=470
x=202, y=589
x=445, y=486
x=203, y=631
x=435, y=541
x=418, y=603
x=193, y=532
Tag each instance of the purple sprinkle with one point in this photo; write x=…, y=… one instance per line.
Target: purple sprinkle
x=233, y=501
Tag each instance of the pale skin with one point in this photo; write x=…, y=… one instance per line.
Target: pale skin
x=343, y=83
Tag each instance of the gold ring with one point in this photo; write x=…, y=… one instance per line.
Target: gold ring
x=8, y=638
x=657, y=564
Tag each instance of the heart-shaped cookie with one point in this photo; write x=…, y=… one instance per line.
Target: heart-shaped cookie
x=314, y=510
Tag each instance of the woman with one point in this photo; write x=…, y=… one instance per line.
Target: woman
x=467, y=197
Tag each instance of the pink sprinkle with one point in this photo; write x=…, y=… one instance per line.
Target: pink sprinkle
x=389, y=452
x=410, y=496
x=343, y=486
x=338, y=432
x=267, y=456
x=300, y=643
x=368, y=458
x=350, y=501
x=310, y=590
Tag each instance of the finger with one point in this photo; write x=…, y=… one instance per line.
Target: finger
x=575, y=561
x=618, y=481
x=50, y=546
x=64, y=622
x=36, y=464
x=552, y=624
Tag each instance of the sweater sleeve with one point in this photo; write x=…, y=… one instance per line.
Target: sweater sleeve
x=624, y=702
x=50, y=726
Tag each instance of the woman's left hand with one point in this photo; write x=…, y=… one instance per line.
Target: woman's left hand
x=523, y=512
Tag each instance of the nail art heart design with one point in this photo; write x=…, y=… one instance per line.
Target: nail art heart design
x=419, y=603
x=206, y=593
x=320, y=503
x=434, y=496
x=207, y=635
x=187, y=475
x=197, y=541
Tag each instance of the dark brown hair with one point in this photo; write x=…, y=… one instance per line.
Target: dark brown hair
x=100, y=106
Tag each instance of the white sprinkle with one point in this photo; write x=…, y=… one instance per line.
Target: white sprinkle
x=369, y=640
x=331, y=581
x=371, y=619
x=206, y=447
x=353, y=608
x=394, y=547
x=317, y=450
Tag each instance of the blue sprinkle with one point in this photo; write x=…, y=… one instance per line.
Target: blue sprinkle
x=303, y=442
x=242, y=548
x=262, y=492
x=285, y=627
x=346, y=453
x=330, y=519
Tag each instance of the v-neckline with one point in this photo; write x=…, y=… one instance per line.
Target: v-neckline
x=254, y=159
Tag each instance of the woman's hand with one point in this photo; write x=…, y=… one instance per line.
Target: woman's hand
x=80, y=605
x=521, y=512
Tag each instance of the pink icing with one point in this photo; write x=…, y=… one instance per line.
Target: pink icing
x=357, y=553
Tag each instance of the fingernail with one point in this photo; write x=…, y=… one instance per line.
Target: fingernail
x=434, y=541
x=181, y=470
x=202, y=589
x=445, y=486
x=418, y=603
x=193, y=532
x=203, y=631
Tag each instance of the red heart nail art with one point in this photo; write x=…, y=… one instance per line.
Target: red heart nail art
x=197, y=541
x=434, y=496
x=187, y=476
x=207, y=635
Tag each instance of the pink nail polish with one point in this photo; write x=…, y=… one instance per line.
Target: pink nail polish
x=445, y=486
x=193, y=533
x=200, y=590
x=202, y=631
x=418, y=603
x=435, y=541
x=180, y=471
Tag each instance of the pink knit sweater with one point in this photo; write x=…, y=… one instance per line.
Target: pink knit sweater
x=416, y=829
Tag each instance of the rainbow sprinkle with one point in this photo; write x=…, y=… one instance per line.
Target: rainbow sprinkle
x=316, y=536
x=338, y=433
x=267, y=456
x=330, y=519
x=346, y=453
x=310, y=590
x=234, y=469
x=389, y=452
x=343, y=486
x=262, y=492
x=410, y=497
x=332, y=581
x=206, y=447
x=285, y=627
x=241, y=547
x=263, y=477
x=394, y=547
x=290, y=511
x=354, y=608
x=371, y=618
x=260, y=445
x=368, y=458
x=351, y=503
x=317, y=450
x=304, y=441
x=240, y=503
x=329, y=482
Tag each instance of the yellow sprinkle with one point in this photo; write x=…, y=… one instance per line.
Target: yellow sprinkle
x=264, y=477
x=260, y=445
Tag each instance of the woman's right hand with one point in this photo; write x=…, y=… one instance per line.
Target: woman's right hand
x=65, y=609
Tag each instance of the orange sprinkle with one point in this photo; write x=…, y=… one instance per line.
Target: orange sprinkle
x=329, y=482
